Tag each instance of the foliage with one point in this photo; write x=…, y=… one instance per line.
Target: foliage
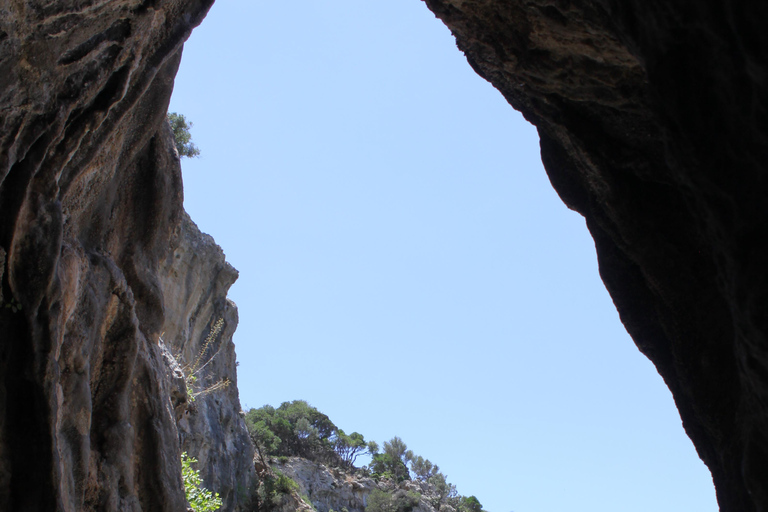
x=180, y=127
x=293, y=429
x=298, y=429
x=283, y=484
x=442, y=491
x=399, y=501
x=383, y=465
x=349, y=447
x=470, y=504
x=396, y=449
x=392, y=463
x=272, y=487
x=423, y=468
x=199, y=498
x=13, y=305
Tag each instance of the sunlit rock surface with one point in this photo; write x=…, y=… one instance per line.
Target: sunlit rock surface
x=329, y=488
x=91, y=223
x=653, y=125
x=199, y=325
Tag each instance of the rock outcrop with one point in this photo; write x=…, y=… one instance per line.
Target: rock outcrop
x=327, y=488
x=334, y=489
x=98, y=261
x=198, y=332
x=653, y=119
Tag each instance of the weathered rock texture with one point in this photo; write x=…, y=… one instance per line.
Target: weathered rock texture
x=199, y=325
x=95, y=248
x=653, y=125
x=329, y=488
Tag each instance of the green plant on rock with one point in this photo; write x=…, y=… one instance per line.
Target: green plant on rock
x=470, y=504
x=199, y=498
x=13, y=305
x=273, y=486
x=181, y=136
x=398, y=501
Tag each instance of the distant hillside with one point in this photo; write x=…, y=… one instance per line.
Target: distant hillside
x=305, y=462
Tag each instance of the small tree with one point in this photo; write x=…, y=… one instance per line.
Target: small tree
x=384, y=465
x=423, y=468
x=470, y=504
x=180, y=127
x=442, y=491
x=396, y=449
x=349, y=447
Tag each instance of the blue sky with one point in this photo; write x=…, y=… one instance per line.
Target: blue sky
x=406, y=267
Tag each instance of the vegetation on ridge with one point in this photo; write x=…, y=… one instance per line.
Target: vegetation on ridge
x=298, y=429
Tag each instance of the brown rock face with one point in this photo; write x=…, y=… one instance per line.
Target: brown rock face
x=653, y=124
x=92, y=232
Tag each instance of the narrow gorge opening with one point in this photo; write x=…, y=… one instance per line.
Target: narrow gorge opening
x=406, y=267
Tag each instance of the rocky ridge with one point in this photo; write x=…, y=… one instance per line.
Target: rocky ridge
x=336, y=489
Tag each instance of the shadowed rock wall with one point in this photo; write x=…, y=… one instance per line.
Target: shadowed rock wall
x=653, y=125
x=92, y=233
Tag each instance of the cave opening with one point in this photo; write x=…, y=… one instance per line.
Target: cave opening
x=406, y=267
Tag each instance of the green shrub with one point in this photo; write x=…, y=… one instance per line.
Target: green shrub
x=199, y=498
x=399, y=501
x=470, y=504
x=272, y=488
x=384, y=466
x=181, y=135
x=283, y=483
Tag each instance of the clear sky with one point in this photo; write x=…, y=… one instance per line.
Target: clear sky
x=406, y=267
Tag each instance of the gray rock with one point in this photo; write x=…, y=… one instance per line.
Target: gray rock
x=336, y=489
x=91, y=217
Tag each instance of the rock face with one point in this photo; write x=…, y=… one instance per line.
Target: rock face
x=97, y=252
x=327, y=488
x=654, y=125
x=334, y=489
x=199, y=325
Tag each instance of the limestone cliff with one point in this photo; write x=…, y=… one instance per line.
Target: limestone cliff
x=198, y=332
x=653, y=119
x=97, y=252
x=335, y=489
x=327, y=488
